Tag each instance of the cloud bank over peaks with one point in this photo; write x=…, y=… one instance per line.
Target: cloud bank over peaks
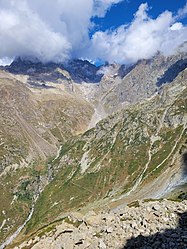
x=49, y=30
x=59, y=30
x=24, y=32
x=141, y=39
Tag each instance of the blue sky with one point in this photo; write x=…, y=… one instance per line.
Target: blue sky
x=111, y=34
x=121, y=31
x=122, y=13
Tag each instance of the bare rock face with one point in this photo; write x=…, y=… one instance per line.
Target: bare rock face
x=141, y=81
x=148, y=224
x=78, y=70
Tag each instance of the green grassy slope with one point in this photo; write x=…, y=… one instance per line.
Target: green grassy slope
x=138, y=143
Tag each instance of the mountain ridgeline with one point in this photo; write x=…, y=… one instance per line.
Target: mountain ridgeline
x=79, y=137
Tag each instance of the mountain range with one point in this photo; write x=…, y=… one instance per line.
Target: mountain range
x=79, y=137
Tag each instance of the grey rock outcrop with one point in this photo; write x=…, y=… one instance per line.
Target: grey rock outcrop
x=148, y=224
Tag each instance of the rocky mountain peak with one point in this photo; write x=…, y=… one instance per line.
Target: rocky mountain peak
x=79, y=70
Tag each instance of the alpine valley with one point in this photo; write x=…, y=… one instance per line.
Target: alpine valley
x=78, y=143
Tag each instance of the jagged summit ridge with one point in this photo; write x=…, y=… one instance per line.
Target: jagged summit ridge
x=79, y=70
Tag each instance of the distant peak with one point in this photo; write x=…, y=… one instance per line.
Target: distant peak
x=26, y=59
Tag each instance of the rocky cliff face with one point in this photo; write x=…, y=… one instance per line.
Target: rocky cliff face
x=136, y=151
x=78, y=70
x=140, y=81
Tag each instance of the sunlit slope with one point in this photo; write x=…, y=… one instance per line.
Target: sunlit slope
x=33, y=124
x=133, y=153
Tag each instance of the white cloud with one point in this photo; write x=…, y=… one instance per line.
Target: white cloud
x=101, y=6
x=23, y=32
x=142, y=39
x=5, y=61
x=182, y=12
x=176, y=26
x=59, y=29
x=50, y=30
